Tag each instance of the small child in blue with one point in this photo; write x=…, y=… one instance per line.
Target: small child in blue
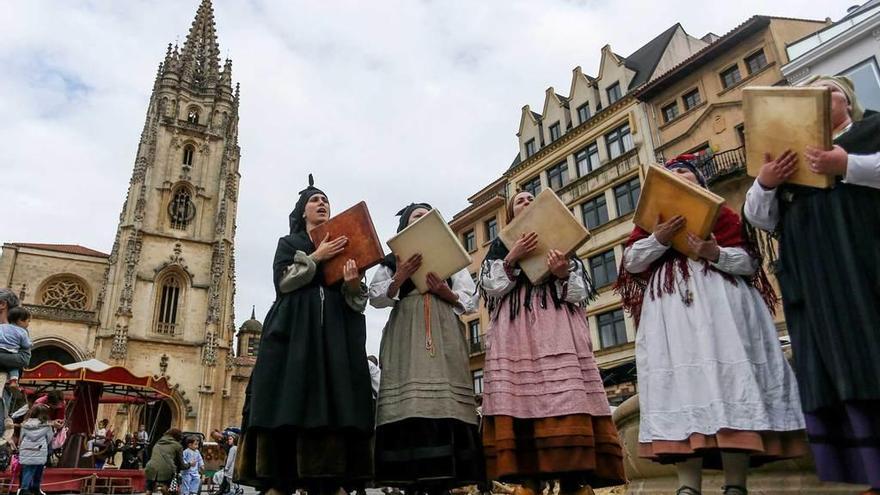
x=192, y=468
x=13, y=339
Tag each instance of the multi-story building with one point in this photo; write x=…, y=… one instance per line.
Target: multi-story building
x=588, y=147
x=477, y=226
x=697, y=106
x=848, y=47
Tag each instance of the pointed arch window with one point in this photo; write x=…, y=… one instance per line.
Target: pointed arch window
x=188, y=152
x=168, y=303
x=192, y=115
x=181, y=209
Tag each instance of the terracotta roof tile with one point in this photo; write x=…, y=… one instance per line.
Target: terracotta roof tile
x=63, y=248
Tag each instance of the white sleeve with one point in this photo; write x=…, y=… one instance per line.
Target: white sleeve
x=863, y=170
x=736, y=261
x=761, y=208
x=495, y=281
x=464, y=287
x=576, y=290
x=378, y=291
x=639, y=256
x=299, y=273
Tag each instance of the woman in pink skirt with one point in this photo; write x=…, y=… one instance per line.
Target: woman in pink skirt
x=545, y=412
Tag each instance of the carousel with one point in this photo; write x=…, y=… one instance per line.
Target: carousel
x=85, y=386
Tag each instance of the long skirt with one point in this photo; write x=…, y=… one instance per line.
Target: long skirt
x=426, y=435
x=712, y=375
x=829, y=273
x=545, y=412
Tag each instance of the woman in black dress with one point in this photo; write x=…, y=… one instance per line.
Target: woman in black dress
x=308, y=413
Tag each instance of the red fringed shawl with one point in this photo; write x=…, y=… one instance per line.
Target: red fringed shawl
x=728, y=233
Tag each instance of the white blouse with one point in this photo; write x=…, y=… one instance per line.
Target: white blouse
x=733, y=260
x=761, y=208
x=462, y=285
x=496, y=283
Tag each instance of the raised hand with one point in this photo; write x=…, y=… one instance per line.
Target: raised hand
x=775, y=172
x=558, y=264
x=707, y=249
x=327, y=249
x=522, y=248
x=440, y=288
x=831, y=162
x=351, y=275
x=406, y=269
x=665, y=231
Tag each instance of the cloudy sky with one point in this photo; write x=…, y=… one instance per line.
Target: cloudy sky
x=384, y=101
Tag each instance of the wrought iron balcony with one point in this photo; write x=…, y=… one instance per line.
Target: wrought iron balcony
x=477, y=347
x=723, y=164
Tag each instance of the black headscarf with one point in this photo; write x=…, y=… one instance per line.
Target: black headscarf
x=297, y=220
x=391, y=259
x=688, y=162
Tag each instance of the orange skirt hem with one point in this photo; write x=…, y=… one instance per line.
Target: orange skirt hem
x=763, y=446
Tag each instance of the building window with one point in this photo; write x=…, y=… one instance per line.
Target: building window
x=181, y=210
x=491, y=229
x=741, y=134
x=188, y=152
x=756, y=61
x=253, y=346
x=612, y=328
x=169, y=300
x=613, y=93
x=627, y=196
x=470, y=241
x=670, y=112
x=691, y=99
x=192, y=116
x=583, y=113
x=730, y=76
x=619, y=141
x=532, y=186
x=554, y=132
x=530, y=147
x=866, y=77
x=474, y=336
x=595, y=212
x=587, y=159
x=66, y=293
x=557, y=176
x=478, y=381
x=603, y=268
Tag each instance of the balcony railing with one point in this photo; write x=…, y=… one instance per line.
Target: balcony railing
x=476, y=347
x=722, y=164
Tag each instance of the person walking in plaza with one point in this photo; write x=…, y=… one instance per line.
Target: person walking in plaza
x=545, y=412
x=193, y=465
x=308, y=413
x=165, y=462
x=426, y=426
x=714, y=386
x=829, y=273
x=34, y=448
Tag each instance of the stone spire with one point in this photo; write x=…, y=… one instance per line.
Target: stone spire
x=200, y=57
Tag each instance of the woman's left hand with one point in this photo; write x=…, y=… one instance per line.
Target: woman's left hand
x=707, y=249
x=831, y=162
x=440, y=288
x=351, y=275
x=558, y=264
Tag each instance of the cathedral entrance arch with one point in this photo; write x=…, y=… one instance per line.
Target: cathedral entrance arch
x=157, y=418
x=53, y=349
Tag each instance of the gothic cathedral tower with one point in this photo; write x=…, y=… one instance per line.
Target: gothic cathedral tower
x=167, y=303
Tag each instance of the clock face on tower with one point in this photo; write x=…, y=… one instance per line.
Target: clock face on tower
x=181, y=210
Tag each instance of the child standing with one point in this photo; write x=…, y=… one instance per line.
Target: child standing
x=192, y=465
x=33, y=451
x=13, y=339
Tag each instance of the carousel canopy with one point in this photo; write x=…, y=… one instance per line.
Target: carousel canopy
x=118, y=383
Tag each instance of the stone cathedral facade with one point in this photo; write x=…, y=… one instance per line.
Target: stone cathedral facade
x=161, y=302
